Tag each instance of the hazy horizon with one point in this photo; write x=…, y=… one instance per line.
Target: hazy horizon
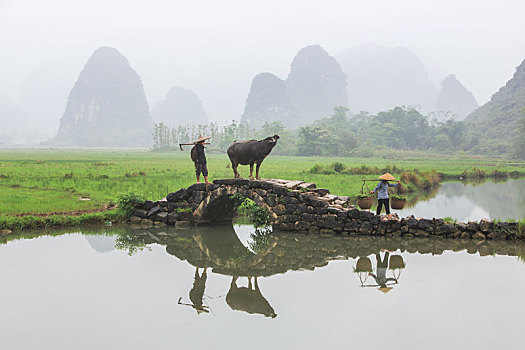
x=216, y=48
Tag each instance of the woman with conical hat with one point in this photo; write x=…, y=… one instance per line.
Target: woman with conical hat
x=199, y=158
x=382, y=192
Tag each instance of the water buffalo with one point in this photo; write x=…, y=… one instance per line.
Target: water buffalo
x=250, y=152
x=248, y=299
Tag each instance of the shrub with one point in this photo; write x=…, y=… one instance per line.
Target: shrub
x=129, y=201
x=260, y=217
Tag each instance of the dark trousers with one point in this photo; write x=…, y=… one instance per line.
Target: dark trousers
x=380, y=203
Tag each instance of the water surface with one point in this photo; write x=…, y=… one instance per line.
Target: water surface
x=468, y=201
x=84, y=291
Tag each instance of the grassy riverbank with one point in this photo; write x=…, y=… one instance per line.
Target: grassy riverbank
x=75, y=183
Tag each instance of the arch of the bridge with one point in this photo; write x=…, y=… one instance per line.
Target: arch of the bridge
x=219, y=205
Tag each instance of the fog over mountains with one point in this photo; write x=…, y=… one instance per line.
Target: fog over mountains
x=381, y=78
x=181, y=106
x=455, y=99
x=107, y=106
x=316, y=84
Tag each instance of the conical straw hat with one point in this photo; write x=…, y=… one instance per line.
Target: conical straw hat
x=385, y=289
x=202, y=138
x=387, y=177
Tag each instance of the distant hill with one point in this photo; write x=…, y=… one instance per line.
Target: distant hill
x=496, y=122
x=315, y=85
x=107, y=106
x=268, y=101
x=381, y=78
x=454, y=99
x=181, y=107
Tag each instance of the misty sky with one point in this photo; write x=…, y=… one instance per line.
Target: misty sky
x=216, y=47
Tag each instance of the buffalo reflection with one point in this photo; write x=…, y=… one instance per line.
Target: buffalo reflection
x=394, y=263
x=248, y=299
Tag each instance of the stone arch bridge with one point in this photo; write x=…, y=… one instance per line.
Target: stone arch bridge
x=302, y=207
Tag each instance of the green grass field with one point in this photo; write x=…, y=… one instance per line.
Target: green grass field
x=47, y=181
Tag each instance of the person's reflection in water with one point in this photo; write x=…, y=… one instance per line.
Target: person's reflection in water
x=248, y=299
x=381, y=269
x=197, y=292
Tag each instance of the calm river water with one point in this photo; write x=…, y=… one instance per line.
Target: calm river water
x=189, y=289
x=466, y=202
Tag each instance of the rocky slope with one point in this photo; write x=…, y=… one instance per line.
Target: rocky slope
x=454, y=100
x=268, y=101
x=496, y=121
x=315, y=85
x=181, y=107
x=107, y=106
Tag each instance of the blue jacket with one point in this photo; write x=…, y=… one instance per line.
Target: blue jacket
x=382, y=189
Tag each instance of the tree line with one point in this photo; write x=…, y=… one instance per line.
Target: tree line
x=341, y=134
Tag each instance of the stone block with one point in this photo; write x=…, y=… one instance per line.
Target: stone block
x=375, y=220
x=478, y=235
x=162, y=217
x=289, y=218
x=302, y=226
x=472, y=226
x=444, y=230
x=271, y=201
x=267, y=185
x=279, y=190
x=255, y=184
x=185, y=216
x=227, y=182
x=172, y=218
x=242, y=182
x=141, y=213
x=308, y=217
x=177, y=196
x=148, y=205
x=289, y=199
x=261, y=192
x=365, y=215
x=199, y=196
x=424, y=224
x=465, y=234
x=279, y=209
x=412, y=222
x=353, y=214
x=154, y=211
x=134, y=220
x=366, y=228
x=321, y=191
x=461, y=226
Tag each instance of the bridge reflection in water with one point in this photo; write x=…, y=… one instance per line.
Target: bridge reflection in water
x=218, y=249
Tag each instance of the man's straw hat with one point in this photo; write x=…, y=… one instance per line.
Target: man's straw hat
x=202, y=138
x=387, y=177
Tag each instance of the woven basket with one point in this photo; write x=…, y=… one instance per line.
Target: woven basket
x=365, y=203
x=397, y=203
x=363, y=265
x=396, y=262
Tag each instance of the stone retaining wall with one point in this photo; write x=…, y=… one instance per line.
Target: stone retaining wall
x=301, y=207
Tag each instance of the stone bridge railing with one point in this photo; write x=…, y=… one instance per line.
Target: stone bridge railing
x=299, y=206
